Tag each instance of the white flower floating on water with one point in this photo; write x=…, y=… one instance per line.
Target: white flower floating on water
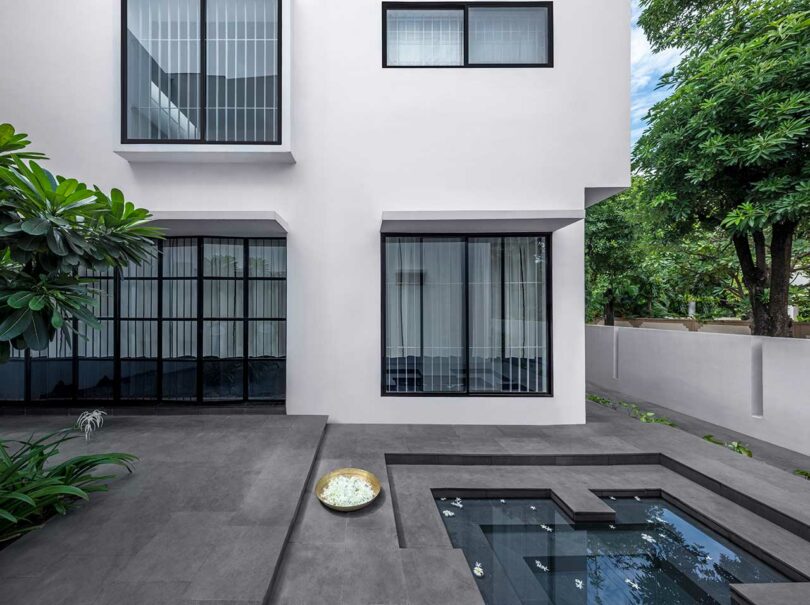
x=631, y=584
x=546, y=527
x=648, y=538
x=503, y=501
x=612, y=526
x=540, y=566
x=442, y=499
x=533, y=507
x=457, y=503
x=613, y=497
x=478, y=571
x=347, y=491
x=578, y=583
x=448, y=513
x=636, y=498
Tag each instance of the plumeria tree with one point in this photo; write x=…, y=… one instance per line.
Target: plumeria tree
x=729, y=148
x=51, y=229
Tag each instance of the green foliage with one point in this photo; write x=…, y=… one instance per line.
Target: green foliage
x=728, y=148
x=634, y=411
x=735, y=446
x=802, y=473
x=52, y=228
x=30, y=492
x=603, y=401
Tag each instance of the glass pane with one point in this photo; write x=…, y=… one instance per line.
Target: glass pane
x=486, y=318
x=223, y=298
x=526, y=324
x=268, y=258
x=180, y=257
x=223, y=257
x=51, y=378
x=102, y=293
x=267, y=339
x=424, y=315
x=96, y=343
x=138, y=379
x=242, y=80
x=223, y=379
x=268, y=298
x=180, y=298
x=223, y=339
x=139, y=298
x=180, y=380
x=425, y=37
x=508, y=35
x=266, y=379
x=139, y=339
x=12, y=377
x=179, y=340
x=96, y=379
x=148, y=268
x=162, y=71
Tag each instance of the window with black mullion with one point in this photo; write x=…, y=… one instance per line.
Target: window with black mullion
x=179, y=321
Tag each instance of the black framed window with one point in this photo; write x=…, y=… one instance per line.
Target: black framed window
x=466, y=315
x=201, y=71
x=203, y=321
x=467, y=34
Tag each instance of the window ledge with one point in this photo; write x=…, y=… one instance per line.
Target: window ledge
x=214, y=154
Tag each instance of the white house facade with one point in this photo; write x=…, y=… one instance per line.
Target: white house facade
x=374, y=210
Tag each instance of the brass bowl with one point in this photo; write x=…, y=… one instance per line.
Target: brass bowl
x=348, y=472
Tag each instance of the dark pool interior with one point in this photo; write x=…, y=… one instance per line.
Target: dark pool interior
x=654, y=553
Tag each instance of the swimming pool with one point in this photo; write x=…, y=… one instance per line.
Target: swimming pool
x=530, y=553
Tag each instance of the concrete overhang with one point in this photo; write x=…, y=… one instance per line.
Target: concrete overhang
x=478, y=221
x=218, y=223
x=594, y=195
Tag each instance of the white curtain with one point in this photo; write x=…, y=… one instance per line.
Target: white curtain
x=425, y=37
x=508, y=35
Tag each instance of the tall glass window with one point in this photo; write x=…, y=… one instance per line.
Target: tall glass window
x=202, y=71
x=466, y=315
x=204, y=320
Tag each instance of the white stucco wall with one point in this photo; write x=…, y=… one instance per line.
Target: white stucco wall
x=714, y=377
x=366, y=140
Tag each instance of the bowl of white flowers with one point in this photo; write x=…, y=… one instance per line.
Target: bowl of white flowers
x=347, y=489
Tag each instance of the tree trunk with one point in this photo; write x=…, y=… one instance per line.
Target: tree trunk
x=768, y=287
x=781, y=257
x=610, y=310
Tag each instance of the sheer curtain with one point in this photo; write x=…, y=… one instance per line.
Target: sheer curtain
x=425, y=37
x=508, y=35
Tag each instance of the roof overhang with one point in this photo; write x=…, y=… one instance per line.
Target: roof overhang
x=217, y=223
x=594, y=195
x=478, y=221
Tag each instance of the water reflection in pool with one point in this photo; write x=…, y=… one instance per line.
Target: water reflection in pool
x=532, y=554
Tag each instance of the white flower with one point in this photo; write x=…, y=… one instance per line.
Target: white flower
x=540, y=566
x=448, y=513
x=442, y=499
x=478, y=571
x=612, y=526
x=648, y=538
x=546, y=527
x=578, y=583
x=630, y=583
x=612, y=498
x=503, y=501
x=533, y=507
x=636, y=498
x=457, y=503
x=347, y=491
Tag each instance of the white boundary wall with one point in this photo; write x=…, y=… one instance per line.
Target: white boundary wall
x=754, y=385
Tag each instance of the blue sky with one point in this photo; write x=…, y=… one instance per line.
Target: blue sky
x=646, y=68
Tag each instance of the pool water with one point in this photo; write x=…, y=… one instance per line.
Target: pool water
x=532, y=554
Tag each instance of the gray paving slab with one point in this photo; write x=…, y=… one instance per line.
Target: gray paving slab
x=203, y=519
x=770, y=594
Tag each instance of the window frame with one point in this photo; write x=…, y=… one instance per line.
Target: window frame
x=125, y=140
x=466, y=236
x=465, y=6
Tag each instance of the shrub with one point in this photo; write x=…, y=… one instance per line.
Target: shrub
x=30, y=492
x=802, y=473
x=735, y=446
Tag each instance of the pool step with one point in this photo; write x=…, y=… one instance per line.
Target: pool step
x=582, y=505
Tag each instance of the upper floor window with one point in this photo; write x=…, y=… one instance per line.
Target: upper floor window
x=467, y=34
x=201, y=71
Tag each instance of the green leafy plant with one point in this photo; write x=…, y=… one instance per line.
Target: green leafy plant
x=31, y=492
x=735, y=446
x=650, y=417
x=802, y=473
x=51, y=229
x=603, y=401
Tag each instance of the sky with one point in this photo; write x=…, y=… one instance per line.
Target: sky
x=646, y=68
